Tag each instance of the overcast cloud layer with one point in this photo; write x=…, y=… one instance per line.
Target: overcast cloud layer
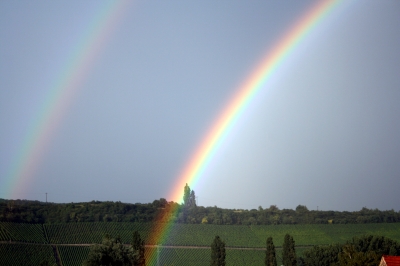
x=323, y=132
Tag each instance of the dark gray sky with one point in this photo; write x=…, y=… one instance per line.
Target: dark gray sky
x=323, y=132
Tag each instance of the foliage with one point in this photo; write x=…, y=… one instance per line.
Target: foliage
x=362, y=250
x=218, y=253
x=112, y=252
x=46, y=263
x=192, y=199
x=288, y=251
x=137, y=250
x=189, y=198
x=322, y=255
x=350, y=257
x=186, y=195
x=270, y=255
x=75, y=255
x=379, y=244
x=24, y=211
x=367, y=250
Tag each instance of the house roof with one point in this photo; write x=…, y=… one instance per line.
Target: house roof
x=391, y=260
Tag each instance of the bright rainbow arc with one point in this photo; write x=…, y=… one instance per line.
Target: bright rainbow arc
x=238, y=104
x=63, y=92
x=49, y=117
x=246, y=93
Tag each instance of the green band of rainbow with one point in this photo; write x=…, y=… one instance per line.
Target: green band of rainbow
x=48, y=118
x=236, y=106
x=80, y=62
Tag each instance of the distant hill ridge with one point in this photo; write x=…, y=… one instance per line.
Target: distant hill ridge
x=25, y=211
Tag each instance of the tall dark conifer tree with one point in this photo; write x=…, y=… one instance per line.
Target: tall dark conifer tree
x=186, y=195
x=218, y=252
x=137, y=250
x=288, y=252
x=192, y=199
x=270, y=255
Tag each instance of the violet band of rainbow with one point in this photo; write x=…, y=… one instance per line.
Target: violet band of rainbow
x=45, y=122
x=237, y=105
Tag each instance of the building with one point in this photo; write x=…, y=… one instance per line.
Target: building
x=390, y=261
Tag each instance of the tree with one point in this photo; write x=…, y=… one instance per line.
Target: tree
x=367, y=250
x=110, y=252
x=186, y=195
x=321, y=255
x=218, y=252
x=192, y=199
x=288, y=252
x=189, y=198
x=137, y=250
x=351, y=257
x=379, y=244
x=301, y=208
x=270, y=255
x=46, y=263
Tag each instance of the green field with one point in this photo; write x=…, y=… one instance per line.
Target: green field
x=30, y=233
x=32, y=243
x=75, y=255
x=25, y=254
x=233, y=235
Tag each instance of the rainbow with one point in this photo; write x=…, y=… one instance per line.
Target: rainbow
x=77, y=67
x=59, y=97
x=238, y=104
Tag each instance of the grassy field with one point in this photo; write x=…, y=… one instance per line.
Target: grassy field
x=25, y=254
x=30, y=233
x=75, y=255
x=233, y=235
x=245, y=243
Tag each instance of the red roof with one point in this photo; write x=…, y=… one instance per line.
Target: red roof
x=391, y=260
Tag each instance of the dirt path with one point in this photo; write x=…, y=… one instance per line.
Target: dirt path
x=150, y=246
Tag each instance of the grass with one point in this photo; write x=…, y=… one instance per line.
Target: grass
x=245, y=244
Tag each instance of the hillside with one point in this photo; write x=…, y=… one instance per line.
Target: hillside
x=24, y=211
x=69, y=242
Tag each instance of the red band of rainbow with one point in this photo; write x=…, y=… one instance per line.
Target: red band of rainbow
x=59, y=97
x=243, y=97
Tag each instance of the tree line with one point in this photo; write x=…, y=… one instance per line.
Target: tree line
x=112, y=252
x=362, y=250
x=188, y=212
x=366, y=250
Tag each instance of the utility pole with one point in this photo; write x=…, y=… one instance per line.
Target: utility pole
x=46, y=197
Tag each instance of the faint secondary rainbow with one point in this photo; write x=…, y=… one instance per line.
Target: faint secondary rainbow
x=46, y=121
x=239, y=102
